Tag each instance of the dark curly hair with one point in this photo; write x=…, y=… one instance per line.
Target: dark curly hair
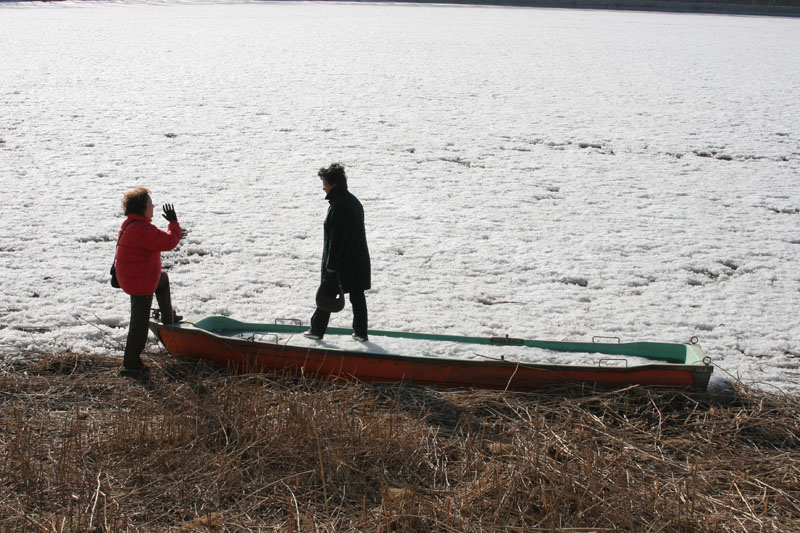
x=334, y=174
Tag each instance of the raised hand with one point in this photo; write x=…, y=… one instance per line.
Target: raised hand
x=169, y=213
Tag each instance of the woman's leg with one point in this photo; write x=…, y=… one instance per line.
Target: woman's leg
x=164, y=299
x=359, y=303
x=137, y=331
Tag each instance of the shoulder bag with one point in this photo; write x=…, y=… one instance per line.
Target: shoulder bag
x=114, y=282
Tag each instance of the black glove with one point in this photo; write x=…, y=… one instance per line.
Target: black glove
x=169, y=213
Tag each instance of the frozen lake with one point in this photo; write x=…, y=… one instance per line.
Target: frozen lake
x=543, y=173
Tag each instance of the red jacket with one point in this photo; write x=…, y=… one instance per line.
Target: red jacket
x=139, y=250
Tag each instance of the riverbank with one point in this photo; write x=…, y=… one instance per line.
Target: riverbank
x=777, y=8
x=195, y=447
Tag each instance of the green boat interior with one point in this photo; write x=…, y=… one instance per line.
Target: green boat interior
x=673, y=353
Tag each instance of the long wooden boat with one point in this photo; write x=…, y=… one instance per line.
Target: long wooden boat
x=278, y=347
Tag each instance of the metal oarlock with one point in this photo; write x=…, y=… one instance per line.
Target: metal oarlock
x=260, y=336
x=596, y=337
x=284, y=321
x=508, y=341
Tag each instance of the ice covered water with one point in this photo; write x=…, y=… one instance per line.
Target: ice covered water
x=540, y=173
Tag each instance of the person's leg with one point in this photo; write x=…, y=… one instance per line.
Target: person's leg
x=164, y=299
x=137, y=331
x=319, y=322
x=359, y=303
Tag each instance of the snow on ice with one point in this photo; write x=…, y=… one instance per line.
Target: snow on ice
x=542, y=173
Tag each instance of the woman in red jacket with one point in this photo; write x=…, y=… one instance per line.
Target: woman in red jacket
x=138, y=264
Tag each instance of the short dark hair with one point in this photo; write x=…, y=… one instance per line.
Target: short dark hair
x=334, y=174
x=135, y=201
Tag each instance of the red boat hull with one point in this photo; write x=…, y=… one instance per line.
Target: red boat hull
x=249, y=356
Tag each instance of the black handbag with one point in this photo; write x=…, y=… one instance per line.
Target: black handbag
x=329, y=300
x=114, y=281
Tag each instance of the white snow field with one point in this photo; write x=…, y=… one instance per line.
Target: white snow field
x=542, y=173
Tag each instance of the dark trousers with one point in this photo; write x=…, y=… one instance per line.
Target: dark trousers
x=320, y=318
x=140, y=321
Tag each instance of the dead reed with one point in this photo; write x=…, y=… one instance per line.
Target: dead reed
x=199, y=449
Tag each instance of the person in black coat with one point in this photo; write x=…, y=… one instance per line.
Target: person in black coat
x=345, y=255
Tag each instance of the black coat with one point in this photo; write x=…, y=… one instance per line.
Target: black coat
x=345, y=248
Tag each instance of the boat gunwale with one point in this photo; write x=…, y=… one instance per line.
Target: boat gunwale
x=192, y=328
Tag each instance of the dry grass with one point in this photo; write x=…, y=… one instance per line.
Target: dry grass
x=199, y=449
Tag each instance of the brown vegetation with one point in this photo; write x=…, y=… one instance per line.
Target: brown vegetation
x=196, y=448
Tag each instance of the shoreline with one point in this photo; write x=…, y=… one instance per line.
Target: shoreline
x=194, y=448
x=788, y=8
x=766, y=8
